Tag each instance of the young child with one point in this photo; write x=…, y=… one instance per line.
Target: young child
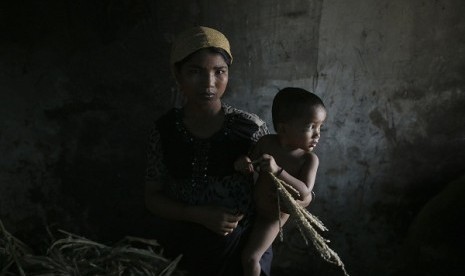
x=298, y=116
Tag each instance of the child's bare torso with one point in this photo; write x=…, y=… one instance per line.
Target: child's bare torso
x=291, y=160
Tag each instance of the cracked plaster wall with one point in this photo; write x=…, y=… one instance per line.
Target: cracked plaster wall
x=81, y=82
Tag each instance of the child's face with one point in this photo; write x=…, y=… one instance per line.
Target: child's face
x=304, y=132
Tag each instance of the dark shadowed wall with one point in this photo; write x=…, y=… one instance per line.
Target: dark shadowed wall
x=82, y=81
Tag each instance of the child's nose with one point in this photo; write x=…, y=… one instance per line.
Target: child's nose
x=316, y=134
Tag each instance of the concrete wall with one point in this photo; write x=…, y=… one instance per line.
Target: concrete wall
x=81, y=82
x=393, y=72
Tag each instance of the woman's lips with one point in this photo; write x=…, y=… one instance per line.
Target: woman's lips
x=208, y=95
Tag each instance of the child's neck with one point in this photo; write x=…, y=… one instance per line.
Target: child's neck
x=285, y=145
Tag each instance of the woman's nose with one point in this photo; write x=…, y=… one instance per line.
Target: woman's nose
x=209, y=79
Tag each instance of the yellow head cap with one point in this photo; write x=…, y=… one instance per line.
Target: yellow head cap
x=194, y=39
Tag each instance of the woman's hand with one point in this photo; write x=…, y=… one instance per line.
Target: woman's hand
x=244, y=165
x=268, y=164
x=219, y=220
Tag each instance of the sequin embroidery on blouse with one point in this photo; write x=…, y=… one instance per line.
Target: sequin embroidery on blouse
x=200, y=171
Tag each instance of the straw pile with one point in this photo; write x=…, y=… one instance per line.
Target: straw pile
x=305, y=222
x=74, y=255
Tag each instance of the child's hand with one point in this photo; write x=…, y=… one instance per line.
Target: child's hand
x=244, y=165
x=268, y=164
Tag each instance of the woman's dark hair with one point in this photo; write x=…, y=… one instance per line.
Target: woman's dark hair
x=214, y=50
x=292, y=102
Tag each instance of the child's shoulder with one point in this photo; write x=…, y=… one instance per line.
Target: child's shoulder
x=311, y=157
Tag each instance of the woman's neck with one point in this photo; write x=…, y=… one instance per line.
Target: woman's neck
x=204, y=121
x=202, y=112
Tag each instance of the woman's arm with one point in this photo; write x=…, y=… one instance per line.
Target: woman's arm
x=160, y=205
x=217, y=219
x=245, y=164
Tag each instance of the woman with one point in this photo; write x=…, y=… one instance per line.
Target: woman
x=204, y=205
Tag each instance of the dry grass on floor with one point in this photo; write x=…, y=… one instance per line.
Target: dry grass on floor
x=75, y=255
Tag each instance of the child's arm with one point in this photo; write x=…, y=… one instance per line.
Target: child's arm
x=307, y=176
x=303, y=182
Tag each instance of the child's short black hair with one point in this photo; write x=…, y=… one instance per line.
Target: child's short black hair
x=292, y=102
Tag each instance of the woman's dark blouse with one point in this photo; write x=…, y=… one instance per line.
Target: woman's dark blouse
x=201, y=171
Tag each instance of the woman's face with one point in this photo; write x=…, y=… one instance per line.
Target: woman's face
x=203, y=78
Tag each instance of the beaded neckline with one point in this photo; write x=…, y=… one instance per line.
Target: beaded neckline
x=225, y=129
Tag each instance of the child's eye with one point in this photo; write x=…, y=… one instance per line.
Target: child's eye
x=309, y=127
